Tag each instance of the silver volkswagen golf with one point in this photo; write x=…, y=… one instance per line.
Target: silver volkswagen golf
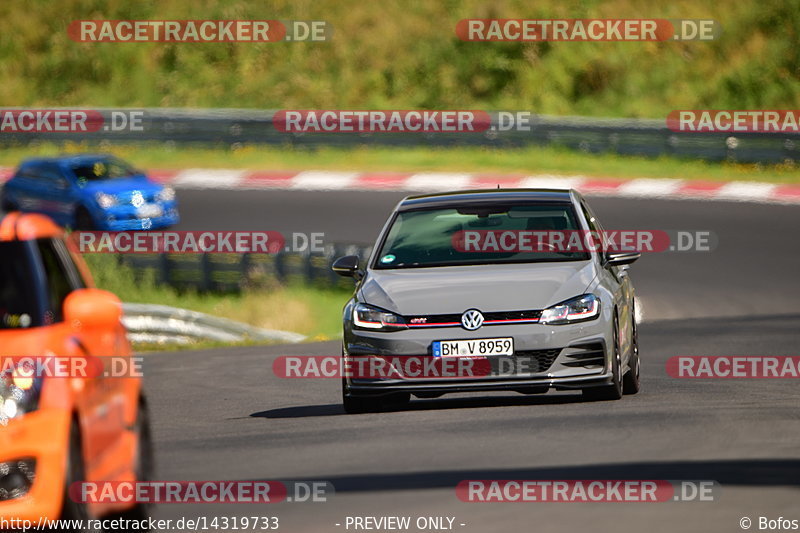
x=454, y=298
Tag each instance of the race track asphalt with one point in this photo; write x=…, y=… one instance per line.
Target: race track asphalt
x=223, y=414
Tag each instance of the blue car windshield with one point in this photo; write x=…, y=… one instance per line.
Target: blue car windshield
x=101, y=170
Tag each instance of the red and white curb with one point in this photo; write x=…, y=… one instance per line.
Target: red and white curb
x=324, y=180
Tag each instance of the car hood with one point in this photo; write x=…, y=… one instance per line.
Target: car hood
x=116, y=186
x=454, y=289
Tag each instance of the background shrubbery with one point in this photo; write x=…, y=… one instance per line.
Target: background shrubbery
x=404, y=54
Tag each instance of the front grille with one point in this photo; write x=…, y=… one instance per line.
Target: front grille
x=523, y=362
x=126, y=197
x=16, y=478
x=492, y=318
x=590, y=355
x=537, y=361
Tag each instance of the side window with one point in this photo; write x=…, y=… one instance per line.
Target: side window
x=31, y=172
x=62, y=277
x=594, y=224
x=51, y=174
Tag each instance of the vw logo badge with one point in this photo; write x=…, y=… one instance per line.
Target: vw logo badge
x=137, y=199
x=472, y=319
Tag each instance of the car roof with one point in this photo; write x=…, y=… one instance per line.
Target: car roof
x=487, y=196
x=75, y=159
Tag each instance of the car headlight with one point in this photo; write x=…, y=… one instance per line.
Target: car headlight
x=20, y=389
x=167, y=194
x=368, y=317
x=105, y=200
x=585, y=307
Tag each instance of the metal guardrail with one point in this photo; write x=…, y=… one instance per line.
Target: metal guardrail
x=236, y=127
x=218, y=272
x=161, y=324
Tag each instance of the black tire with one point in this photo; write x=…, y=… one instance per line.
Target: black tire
x=398, y=400
x=76, y=472
x=631, y=383
x=83, y=220
x=145, y=464
x=614, y=390
x=371, y=404
x=354, y=405
x=9, y=206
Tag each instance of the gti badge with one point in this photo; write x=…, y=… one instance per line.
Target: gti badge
x=472, y=319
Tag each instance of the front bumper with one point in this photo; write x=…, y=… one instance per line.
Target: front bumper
x=41, y=436
x=572, y=356
x=127, y=218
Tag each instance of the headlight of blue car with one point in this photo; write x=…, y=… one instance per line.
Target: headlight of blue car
x=105, y=200
x=167, y=194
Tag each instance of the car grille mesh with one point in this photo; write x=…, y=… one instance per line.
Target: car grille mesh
x=538, y=361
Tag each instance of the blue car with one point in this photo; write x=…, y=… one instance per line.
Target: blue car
x=88, y=192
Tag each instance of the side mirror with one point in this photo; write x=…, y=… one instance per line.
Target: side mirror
x=624, y=258
x=92, y=308
x=346, y=266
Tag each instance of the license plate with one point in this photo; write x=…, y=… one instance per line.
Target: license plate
x=474, y=347
x=150, y=211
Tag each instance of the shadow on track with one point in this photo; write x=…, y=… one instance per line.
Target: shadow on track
x=746, y=472
x=335, y=409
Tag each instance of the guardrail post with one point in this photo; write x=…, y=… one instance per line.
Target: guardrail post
x=206, y=279
x=244, y=269
x=163, y=268
x=280, y=266
x=331, y=256
x=308, y=266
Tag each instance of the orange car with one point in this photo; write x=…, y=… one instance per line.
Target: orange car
x=59, y=429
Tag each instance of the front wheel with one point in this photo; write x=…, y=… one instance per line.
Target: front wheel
x=630, y=383
x=8, y=206
x=356, y=404
x=83, y=220
x=143, y=461
x=76, y=473
x=613, y=391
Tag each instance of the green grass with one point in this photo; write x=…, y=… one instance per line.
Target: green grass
x=397, y=54
x=530, y=160
x=312, y=311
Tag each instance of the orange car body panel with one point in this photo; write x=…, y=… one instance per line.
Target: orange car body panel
x=105, y=406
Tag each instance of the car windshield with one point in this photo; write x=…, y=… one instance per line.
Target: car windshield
x=102, y=169
x=18, y=303
x=435, y=237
